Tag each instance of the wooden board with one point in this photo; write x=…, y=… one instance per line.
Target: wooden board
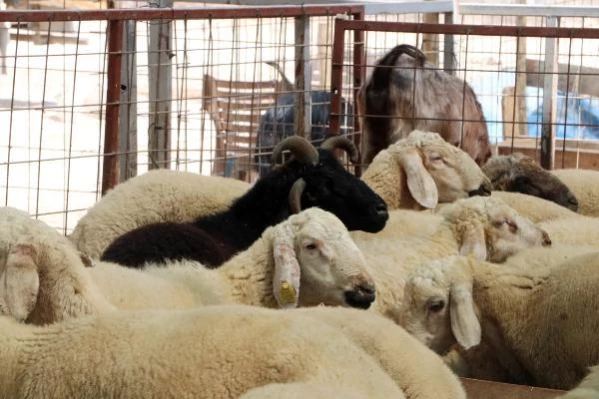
x=577, y=154
x=479, y=389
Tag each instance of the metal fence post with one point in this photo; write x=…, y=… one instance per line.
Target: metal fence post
x=128, y=110
x=110, y=170
x=303, y=78
x=549, y=98
x=160, y=82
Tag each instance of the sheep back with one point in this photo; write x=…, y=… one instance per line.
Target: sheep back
x=202, y=353
x=156, y=196
x=584, y=183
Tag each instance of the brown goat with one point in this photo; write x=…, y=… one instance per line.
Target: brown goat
x=406, y=92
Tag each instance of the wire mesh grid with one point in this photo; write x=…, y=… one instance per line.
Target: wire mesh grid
x=226, y=72
x=508, y=74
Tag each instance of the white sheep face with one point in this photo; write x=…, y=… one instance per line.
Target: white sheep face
x=438, y=172
x=455, y=173
x=511, y=232
x=439, y=306
x=333, y=269
x=489, y=229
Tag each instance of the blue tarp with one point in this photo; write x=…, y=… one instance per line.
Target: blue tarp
x=581, y=114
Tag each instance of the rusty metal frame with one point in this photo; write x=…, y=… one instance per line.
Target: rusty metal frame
x=110, y=170
x=177, y=13
x=116, y=18
x=342, y=25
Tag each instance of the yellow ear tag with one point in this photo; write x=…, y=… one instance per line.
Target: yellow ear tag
x=287, y=293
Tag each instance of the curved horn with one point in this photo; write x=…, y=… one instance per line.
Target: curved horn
x=301, y=149
x=295, y=195
x=334, y=142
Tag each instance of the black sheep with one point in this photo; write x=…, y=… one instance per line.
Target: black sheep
x=311, y=178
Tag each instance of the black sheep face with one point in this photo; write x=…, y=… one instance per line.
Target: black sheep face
x=330, y=187
x=546, y=186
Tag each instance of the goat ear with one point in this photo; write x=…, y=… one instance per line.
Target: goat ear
x=472, y=240
x=19, y=283
x=464, y=323
x=286, y=280
x=420, y=183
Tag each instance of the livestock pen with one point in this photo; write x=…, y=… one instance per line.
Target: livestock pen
x=86, y=102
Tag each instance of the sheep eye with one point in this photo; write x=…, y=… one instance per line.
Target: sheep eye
x=311, y=247
x=498, y=223
x=436, y=306
x=512, y=225
x=435, y=158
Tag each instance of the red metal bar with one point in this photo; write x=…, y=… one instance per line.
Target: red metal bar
x=336, y=78
x=473, y=30
x=359, y=72
x=180, y=13
x=110, y=170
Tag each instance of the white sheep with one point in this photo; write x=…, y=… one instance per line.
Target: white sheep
x=160, y=195
x=535, y=208
x=403, y=223
x=587, y=389
x=216, y=352
x=542, y=257
x=302, y=390
x=312, y=246
x=29, y=249
x=535, y=322
x=584, y=183
x=578, y=230
x=484, y=227
x=422, y=170
x=420, y=373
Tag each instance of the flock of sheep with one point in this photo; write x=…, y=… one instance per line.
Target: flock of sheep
x=312, y=282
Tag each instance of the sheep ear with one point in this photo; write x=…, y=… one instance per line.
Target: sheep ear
x=464, y=323
x=420, y=183
x=19, y=283
x=86, y=260
x=286, y=281
x=472, y=241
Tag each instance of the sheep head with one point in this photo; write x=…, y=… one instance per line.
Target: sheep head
x=436, y=171
x=439, y=305
x=313, y=250
x=489, y=229
x=520, y=173
x=42, y=275
x=319, y=180
x=441, y=298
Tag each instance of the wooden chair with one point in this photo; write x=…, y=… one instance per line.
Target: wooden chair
x=236, y=107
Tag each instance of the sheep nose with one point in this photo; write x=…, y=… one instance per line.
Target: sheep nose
x=546, y=239
x=483, y=190
x=381, y=209
x=361, y=297
x=573, y=202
